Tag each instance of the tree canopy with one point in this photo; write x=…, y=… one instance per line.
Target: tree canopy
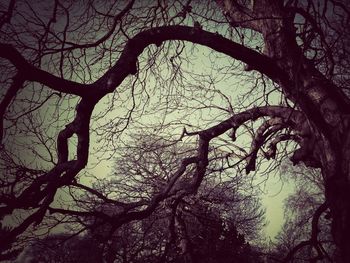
x=188, y=100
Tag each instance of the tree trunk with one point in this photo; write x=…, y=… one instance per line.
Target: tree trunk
x=338, y=196
x=326, y=136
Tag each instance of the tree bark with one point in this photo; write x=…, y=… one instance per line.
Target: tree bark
x=326, y=107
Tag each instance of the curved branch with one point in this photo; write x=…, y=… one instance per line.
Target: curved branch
x=265, y=130
x=314, y=234
x=9, y=96
x=32, y=73
x=127, y=62
x=6, y=18
x=292, y=116
x=271, y=153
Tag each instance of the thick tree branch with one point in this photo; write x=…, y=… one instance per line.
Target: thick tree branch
x=287, y=114
x=264, y=131
x=9, y=96
x=31, y=73
x=271, y=153
x=127, y=62
x=6, y=17
x=313, y=241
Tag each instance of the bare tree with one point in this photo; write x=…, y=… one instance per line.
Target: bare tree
x=73, y=73
x=61, y=248
x=201, y=226
x=299, y=209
